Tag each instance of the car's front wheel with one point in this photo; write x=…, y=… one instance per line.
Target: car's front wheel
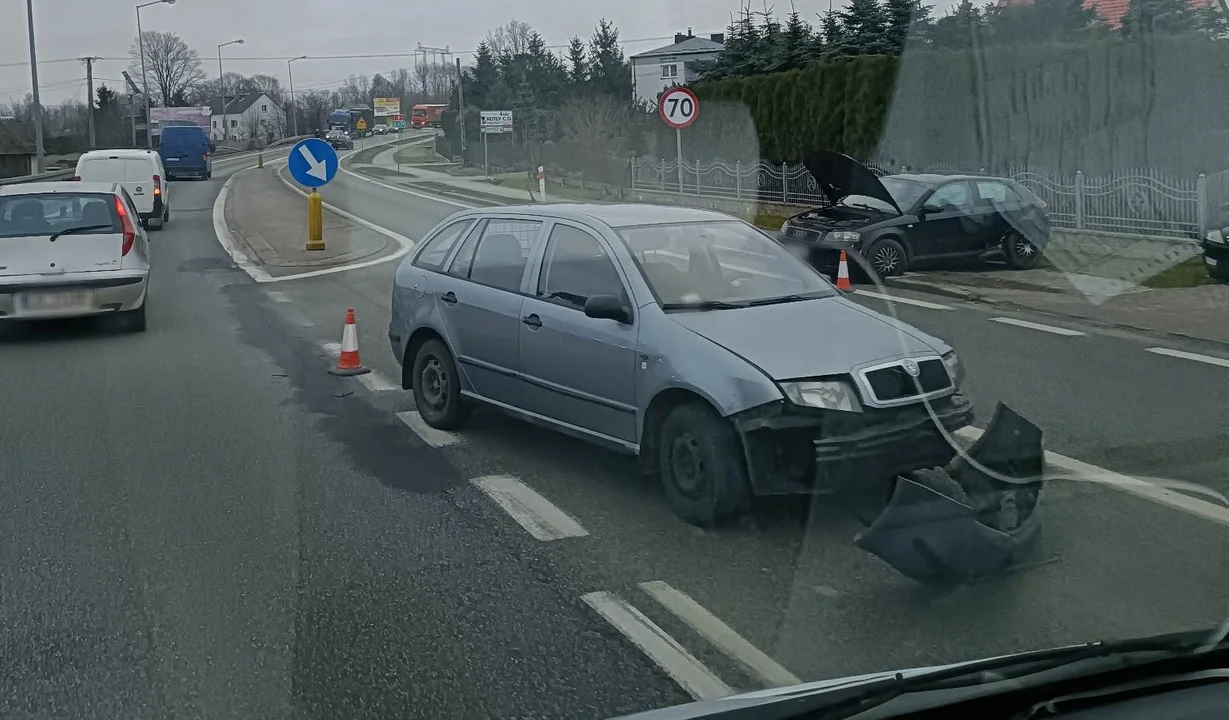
x=1020, y=252
x=703, y=468
x=887, y=257
x=437, y=387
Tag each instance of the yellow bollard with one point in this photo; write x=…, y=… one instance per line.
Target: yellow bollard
x=315, y=221
x=260, y=159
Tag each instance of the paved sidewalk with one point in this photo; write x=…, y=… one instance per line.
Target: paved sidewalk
x=269, y=221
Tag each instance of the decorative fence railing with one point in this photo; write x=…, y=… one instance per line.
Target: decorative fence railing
x=1138, y=203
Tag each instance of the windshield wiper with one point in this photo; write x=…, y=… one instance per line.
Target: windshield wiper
x=704, y=305
x=79, y=228
x=864, y=206
x=784, y=299
x=847, y=703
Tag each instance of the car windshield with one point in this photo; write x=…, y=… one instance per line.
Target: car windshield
x=904, y=192
x=693, y=264
x=50, y=213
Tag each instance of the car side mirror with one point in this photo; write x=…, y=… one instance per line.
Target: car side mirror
x=608, y=307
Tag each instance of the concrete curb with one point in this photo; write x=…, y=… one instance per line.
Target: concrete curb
x=931, y=288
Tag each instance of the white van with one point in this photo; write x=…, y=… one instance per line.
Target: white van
x=140, y=172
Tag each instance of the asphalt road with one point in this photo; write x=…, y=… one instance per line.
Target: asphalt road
x=201, y=522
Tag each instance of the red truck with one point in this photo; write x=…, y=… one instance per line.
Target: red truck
x=426, y=115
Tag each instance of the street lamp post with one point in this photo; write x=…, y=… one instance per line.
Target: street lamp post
x=222, y=85
x=149, y=135
x=38, y=106
x=294, y=115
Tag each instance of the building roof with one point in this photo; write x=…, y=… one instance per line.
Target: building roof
x=239, y=104
x=14, y=139
x=690, y=46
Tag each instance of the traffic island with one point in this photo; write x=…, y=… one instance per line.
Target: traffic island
x=269, y=222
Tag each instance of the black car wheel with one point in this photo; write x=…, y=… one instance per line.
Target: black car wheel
x=1020, y=252
x=887, y=257
x=703, y=469
x=437, y=388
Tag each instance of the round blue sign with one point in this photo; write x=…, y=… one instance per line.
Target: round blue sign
x=312, y=162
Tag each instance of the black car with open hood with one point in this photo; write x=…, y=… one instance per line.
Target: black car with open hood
x=892, y=223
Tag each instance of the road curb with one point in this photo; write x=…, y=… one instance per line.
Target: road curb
x=935, y=289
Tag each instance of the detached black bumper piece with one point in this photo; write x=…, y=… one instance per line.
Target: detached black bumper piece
x=802, y=450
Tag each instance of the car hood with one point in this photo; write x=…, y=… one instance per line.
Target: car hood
x=840, y=176
x=825, y=336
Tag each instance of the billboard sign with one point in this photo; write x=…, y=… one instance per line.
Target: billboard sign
x=496, y=121
x=386, y=107
x=166, y=116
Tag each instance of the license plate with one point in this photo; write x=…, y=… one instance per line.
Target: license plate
x=1210, y=261
x=44, y=302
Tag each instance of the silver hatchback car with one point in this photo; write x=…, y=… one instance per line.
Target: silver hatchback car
x=71, y=249
x=687, y=337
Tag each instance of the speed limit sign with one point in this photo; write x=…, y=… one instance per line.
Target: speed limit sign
x=678, y=107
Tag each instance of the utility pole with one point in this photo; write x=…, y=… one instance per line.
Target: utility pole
x=38, y=106
x=89, y=87
x=461, y=108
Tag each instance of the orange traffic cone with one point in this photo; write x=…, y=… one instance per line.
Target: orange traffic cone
x=842, y=275
x=348, y=363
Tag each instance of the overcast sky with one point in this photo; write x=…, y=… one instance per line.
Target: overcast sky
x=279, y=29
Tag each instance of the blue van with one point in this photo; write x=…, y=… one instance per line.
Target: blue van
x=185, y=151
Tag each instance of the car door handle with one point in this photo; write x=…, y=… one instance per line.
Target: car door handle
x=532, y=321
x=449, y=297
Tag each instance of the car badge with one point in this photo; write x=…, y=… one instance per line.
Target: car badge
x=911, y=367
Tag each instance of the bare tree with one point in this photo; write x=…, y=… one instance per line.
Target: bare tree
x=356, y=89
x=316, y=107
x=511, y=39
x=173, y=67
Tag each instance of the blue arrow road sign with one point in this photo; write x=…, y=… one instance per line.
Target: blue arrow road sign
x=312, y=162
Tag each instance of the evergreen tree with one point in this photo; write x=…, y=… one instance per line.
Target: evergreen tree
x=609, y=71
x=578, y=62
x=864, y=29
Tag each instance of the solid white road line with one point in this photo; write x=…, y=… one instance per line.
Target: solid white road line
x=1144, y=489
x=332, y=348
x=711, y=628
x=227, y=240
x=540, y=517
x=670, y=656
x=426, y=433
x=1036, y=326
x=375, y=382
x=279, y=296
x=1222, y=362
x=903, y=300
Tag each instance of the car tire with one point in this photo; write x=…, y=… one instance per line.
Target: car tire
x=153, y=224
x=887, y=257
x=437, y=387
x=1020, y=252
x=702, y=466
x=133, y=321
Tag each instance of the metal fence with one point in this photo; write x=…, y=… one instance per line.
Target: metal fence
x=1136, y=203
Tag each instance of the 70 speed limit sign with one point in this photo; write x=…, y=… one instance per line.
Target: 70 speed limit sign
x=678, y=107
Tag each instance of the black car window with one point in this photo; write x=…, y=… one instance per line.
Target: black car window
x=436, y=250
x=576, y=267
x=955, y=194
x=503, y=252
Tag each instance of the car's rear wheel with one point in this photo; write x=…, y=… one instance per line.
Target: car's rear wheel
x=1020, y=252
x=437, y=387
x=887, y=257
x=703, y=468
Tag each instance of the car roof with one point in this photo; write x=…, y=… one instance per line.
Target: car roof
x=615, y=215
x=46, y=188
x=937, y=178
x=117, y=153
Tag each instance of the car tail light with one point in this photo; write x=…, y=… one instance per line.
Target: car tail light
x=157, y=186
x=130, y=230
x=76, y=178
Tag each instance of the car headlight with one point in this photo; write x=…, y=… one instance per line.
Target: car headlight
x=784, y=228
x=824, y=394
x=1218, y=236
x=955, y=370
x=844, y=237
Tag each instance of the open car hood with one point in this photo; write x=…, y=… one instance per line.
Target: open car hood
x=840, y=176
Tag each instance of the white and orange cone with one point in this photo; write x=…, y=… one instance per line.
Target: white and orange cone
x=842, y=274
x=348, y=362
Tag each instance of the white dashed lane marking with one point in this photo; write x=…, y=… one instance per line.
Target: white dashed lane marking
x=682, y=667
x=903, y=300
x=712, y=629
x=1037, y=326
x=428, y=434
x=1209, y=359
x=540, y=517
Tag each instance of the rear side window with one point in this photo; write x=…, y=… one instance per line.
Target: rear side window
x=116, y=170
x=46, y=214
x=436, y=251
x=503, y=252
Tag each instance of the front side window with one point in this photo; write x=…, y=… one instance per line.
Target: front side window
x=436, y=250
x=955, y=195
x=576, y=268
